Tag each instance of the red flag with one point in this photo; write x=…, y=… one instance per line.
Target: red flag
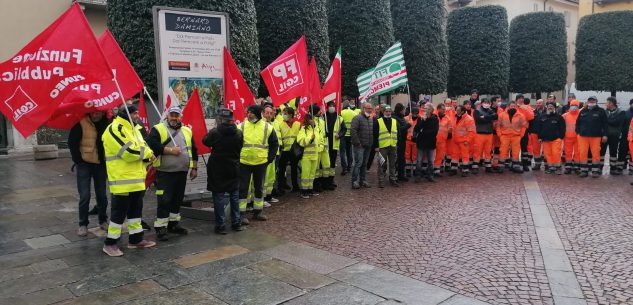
x=287, y=76
x=332, y=87
x=237, y=95
x=142, y=113
x=193, y=117
x=314, y=91
x=37, y=79
x=130, y=83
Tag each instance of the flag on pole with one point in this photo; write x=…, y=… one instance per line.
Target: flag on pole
x=237, y=95
x=389, y=74
x=332, y=88
x=287, y=76
x=314, y=91
x=142, y=113
x=193, y=116
x=172, y=100
x=37, y=79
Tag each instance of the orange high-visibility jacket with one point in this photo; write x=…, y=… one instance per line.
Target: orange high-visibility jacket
x=464, y=130
x=446, y=124
x=630, y=135
x=515, y=127
x=527, y=111
x=413, y=122
x=570, y=124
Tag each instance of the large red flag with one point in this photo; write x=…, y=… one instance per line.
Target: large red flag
x=142, y=113
x=287, y=76
x=313, y=94
x=237, y=95
x=193, y=117
x=37, y=79
x=332, y=88
x=130, y=83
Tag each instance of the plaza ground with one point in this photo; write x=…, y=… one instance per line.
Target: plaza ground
x=486, y=239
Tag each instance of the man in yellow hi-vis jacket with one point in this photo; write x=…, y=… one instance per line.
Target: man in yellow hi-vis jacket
x=125, y=154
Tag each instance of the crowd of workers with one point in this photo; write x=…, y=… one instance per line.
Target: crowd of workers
x=248, y=166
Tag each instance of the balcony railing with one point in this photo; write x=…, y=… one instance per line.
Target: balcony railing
x=93, y=2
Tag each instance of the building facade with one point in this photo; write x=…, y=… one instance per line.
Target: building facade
x=588, y=7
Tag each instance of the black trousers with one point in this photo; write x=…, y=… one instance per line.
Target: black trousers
x=288, y=158
x=370, y=160
x=623, y=152
x=526, y=159
x=257, y=172
x=333, y=155
x=170, y=191
x=400, y=162
x=126, y=206
x=347, y=159
x=613, y=144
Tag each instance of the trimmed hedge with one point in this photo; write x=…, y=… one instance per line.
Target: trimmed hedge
x=538, y=52
x=280, y=23
x=604, y=52
x=131, y=24
x=421, y=27
x=364, y=30
x=479, y=51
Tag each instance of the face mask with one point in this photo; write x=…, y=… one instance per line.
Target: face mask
x=591, y=105
x=485, y=106
x=367, y=113
x=331, y=109
x=550, y=111
x=253, y=120
x=352, y=106
x=387, y=116
x=573, y=108
x=285, y=117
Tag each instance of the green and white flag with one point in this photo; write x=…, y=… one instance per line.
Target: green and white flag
x=389, y=74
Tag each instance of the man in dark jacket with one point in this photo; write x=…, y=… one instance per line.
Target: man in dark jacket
x=591, y=128
x=223, y=170
x=86, y=149
x=534, y=143
x=425, y=135
x=615, y=119
x=362, y=132
x=550, y=128
x=403, y=127
x=623, y=155
x=484, y=119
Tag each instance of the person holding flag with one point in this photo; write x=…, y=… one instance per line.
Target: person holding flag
x=177, y=156
x=311, y=140
x=271, y=176
x=289, y=129
x=125, y=154
x=348, y=115
x=335, y=131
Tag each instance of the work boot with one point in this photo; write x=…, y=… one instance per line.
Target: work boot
x=259, y=215
x=112, y=250
x=332, y=183
x=567, y=171
x=526, y=168
x=220, y=230
x=174, y=227
x=143, y=244
x=161, y=234
x=82, y=231
x=583, y=174
x=464, y=174
x=365, y=184
x=145, y=226
x=355, y=185
x=595, y=174
x=537, y=167
x=237, y=227
x=489, y=170
x=394, y=183
x=245, y=221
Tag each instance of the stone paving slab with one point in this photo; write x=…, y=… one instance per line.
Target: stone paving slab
x=462, y=300
x=118, y=294
x=197, y=259
x=337, y=294
x=292, y=275
x=179, y=296
x=310, y=258
x=46, y=241
x=248, y=287
x=42, y=297
x=392, y=286
x=564, y=284
x=569, y=301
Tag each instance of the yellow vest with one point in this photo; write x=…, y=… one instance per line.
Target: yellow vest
x=88, y=144
x=125, y=151
x=163, y=132
x=386, y=138
x=311, y=148
x=337, y=128
x=348, y=115
x=275, y=125
x=288, y=134
x=255, y=149
x=320, y=128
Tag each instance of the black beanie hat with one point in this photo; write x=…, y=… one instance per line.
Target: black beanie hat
x=256, y=110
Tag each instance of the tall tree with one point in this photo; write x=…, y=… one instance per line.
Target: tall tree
x=280, y=23
x=131, y=24
x=479, y=52
x=364, y=30
x=538, y=52
x=604, y=52
x=421, y=27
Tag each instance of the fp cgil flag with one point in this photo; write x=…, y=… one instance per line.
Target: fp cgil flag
x=314, y=91
x=237, y=95
x=286, y=77
x=193, y=117
x=332, y=88
x=37, y=79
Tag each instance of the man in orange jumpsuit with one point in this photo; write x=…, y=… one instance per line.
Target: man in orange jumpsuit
x=411, y=150
x=442, y=139
x=512, y=127
x=591, y=127
x=484, y=118
x=535, y=145
x=523, y=107
x=570, y=143
x=550, y=128
x=463, y=136
x=451, y=159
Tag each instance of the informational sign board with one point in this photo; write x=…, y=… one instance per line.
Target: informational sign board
x=189, y=54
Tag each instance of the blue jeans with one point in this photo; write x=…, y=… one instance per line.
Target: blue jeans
x=220, y=200
x=361, y=155
x=86, y=173
x=430, y=155
x=346, y=153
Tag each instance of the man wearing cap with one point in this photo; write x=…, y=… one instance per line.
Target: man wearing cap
x=223, y=169
x=565, y=108
x=570, y=142
x=550, y=128
x=616, y=118
x=177, y=156
x=591, y=128
x=403, y=128
x=348, y=115
x=386, y=142
x=484, y=124
x=125, y=154
x=259, y=149
x=474, y=98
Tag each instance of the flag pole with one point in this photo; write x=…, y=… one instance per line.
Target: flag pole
x=158, y=112
x=129, y=117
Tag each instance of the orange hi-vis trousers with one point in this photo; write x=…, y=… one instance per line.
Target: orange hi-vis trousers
x=585, y=144
x=440, y=154
x=510, y=143
x=552, y=151
x=495, y=155
x=536, y=147
x=570, y=145
x=483, y=149
x=453, y=156
x=462, y=153
x=410, y=156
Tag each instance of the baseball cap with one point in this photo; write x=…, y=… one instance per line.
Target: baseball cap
x=593, y=97
x=225, y=113
x=175, y=109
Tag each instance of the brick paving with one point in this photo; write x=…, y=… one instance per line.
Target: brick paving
x=474, y=236
x=594, y=218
